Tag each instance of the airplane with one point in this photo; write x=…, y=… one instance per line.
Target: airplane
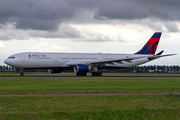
x=82, y=63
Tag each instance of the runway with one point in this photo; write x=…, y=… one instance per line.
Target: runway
x=86, y=94
x=80, y=76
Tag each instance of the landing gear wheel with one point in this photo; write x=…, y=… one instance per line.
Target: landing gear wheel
x=84, y=74
x=96, y=73
x=81, y=74
x=22, y=73
x=99, y=74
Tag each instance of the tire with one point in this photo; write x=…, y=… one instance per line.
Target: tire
x=94, y=73
x=78, y=74
x=22, y=73
x=99, y=74
x=84, y=74
x=81, y=74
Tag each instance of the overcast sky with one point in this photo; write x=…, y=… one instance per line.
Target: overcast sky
x=107, y=26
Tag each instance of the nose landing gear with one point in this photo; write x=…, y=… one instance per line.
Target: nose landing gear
x=22, y=72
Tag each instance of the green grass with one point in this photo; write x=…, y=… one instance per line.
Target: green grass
x=88, y=74
x=30, y=85
x=97, y=107
x=115, y=107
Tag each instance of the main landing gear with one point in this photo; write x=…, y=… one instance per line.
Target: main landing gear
x=22, y=72
x=93, y=74
x=96, y=73
x=81, y=74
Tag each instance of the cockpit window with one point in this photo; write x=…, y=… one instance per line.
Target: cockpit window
x=12, y=57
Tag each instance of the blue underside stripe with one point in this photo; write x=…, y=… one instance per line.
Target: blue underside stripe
x=110, y=67
x=71, y=68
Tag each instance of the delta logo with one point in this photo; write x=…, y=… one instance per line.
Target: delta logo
x=37, y=55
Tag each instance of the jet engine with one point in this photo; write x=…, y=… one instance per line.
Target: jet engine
x=80, y=68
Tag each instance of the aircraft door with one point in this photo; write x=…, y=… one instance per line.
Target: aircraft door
x=102, y=57
x=56, y=58
x=23, y=58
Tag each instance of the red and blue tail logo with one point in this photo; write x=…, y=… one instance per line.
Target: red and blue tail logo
x=151, y=46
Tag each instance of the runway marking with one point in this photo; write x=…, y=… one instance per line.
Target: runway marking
x=87, y=94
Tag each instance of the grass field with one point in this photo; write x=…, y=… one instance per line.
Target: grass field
x=88, y=74
x=45, y=85
x=115, y=107
x=90, y=107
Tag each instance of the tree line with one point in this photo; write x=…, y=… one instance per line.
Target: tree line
x=138, y=69
x=156, y=69
x=7, y=68
x=151, y=69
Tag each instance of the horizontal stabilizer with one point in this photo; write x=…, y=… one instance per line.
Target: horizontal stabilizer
x=159, y=56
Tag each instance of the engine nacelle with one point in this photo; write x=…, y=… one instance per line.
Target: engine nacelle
x=80, y=68
x=54, y=71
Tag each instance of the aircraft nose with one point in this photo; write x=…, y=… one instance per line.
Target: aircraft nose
x=6, y=61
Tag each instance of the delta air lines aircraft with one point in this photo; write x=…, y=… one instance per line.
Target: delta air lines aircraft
x=81, y=63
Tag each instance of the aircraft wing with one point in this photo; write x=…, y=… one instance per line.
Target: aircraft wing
x=101, y=62
x=98, y=63
x=112, y=61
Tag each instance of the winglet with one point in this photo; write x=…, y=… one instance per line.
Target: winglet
x=151, y=46
x=160, y=52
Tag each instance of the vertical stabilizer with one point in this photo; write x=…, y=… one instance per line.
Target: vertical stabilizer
x=151, y=46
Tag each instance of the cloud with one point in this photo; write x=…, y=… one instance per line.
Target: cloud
x=56, y=47
x=64, y=31
x=23, y=20
x=1, y=44
x=35, y=14
x=100, y=37
x=42, y=43
x=139, y=9
x=48, y=15
x=9, y=32
x=164, y=26
x=171, y=26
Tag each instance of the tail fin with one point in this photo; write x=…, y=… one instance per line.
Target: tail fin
x=151, y=46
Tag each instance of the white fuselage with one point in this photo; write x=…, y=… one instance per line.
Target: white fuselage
x=82, y=63
x=58, y=60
